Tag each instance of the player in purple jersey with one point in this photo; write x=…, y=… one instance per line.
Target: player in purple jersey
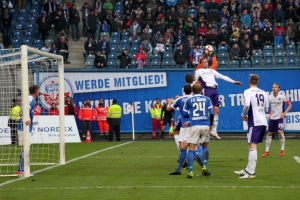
x=277, y=115
x=207, y=76
x=255, y=108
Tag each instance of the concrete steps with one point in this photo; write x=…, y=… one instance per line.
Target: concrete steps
x=76, y=49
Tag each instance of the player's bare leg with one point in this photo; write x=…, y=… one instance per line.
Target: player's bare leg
x=214, y=132
x=282, y=142
x=268, y=144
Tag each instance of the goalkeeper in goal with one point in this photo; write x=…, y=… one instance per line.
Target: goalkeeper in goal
x=33, y=94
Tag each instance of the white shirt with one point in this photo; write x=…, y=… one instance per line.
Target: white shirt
x=207, y=77
x=276, y=104
x=255, y=106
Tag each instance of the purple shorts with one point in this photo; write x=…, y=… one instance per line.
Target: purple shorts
x=275, y=125
x=256, y=134
x=213, y=94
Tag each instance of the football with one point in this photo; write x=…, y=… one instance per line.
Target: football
x=209, y=50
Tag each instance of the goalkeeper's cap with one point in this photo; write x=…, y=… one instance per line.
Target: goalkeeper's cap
x=114, y=101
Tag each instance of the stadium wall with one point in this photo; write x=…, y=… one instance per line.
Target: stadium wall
x=140, y=88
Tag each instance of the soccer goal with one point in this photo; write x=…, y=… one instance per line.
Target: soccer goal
x=45, y=144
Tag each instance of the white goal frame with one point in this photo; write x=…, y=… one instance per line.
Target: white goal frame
x=25, y=93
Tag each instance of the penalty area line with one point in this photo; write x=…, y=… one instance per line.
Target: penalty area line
x=297, y=159
x=67, y=162
x=156, y=187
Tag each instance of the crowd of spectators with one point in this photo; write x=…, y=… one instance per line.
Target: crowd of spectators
x=242, y=26
x=163, y=24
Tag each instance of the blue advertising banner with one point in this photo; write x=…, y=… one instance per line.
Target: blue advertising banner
x=141, y=88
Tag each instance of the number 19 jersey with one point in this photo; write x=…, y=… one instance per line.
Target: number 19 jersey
x=198, y=107
x=257, y=101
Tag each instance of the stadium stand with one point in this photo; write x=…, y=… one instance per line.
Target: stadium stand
x=24, y=29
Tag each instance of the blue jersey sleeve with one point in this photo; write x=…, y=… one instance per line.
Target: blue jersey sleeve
x=175, y=104
x=186, y=108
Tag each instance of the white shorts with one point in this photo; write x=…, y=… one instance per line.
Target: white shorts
x=184, y=134
x=198, y=134
x=21, y=138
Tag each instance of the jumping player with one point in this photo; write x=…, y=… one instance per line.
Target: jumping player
x=207, y=79
x=277, y=115
x=34, y=93
x=197, y=108
x=255, y=106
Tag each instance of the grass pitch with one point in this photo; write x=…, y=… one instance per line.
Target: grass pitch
x=139, y=170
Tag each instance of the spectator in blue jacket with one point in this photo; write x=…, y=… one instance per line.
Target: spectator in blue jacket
x=245, y=18
x=171, y=3
x=105, y=26
x=279, y=39
x=279, y=14
x=103, y=46
x=179, y=38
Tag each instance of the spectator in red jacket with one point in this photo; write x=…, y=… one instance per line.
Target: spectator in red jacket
x=210, y=4
x=70, y=107
x=86, y=115
x=202, y=30
x=278, y=28
x=140, y=58
x=53, y=110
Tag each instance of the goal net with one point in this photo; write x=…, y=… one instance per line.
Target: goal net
x=44, y=145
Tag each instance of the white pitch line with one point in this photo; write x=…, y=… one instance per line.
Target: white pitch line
x=297, y=159
x=155, y=186
x=70, y=161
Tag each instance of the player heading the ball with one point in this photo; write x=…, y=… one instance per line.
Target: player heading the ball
x=207, y=78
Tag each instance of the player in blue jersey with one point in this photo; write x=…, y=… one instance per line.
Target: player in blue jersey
x=189, y=79
x=197, y=108
x=184, y=131
x=33, y=94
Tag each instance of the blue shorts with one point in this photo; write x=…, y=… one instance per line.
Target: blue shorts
x=256, y=134
x=275, y=125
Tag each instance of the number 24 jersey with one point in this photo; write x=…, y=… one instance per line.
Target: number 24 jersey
x=198, y=107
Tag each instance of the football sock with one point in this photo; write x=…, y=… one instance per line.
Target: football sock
x=252, y=160
x=215, y=122
x=21, y=162
x=205, y=155
x=198, y=158
x=199, y=151
x=176, y=138
x=190, y=159
x=282, y=140
x=182, y=157
x=268, y=142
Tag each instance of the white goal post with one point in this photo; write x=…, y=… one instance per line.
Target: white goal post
x=10, y=62
x=24, y=66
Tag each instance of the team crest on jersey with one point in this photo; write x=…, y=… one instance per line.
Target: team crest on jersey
x=279, y=99
x=49, y=91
